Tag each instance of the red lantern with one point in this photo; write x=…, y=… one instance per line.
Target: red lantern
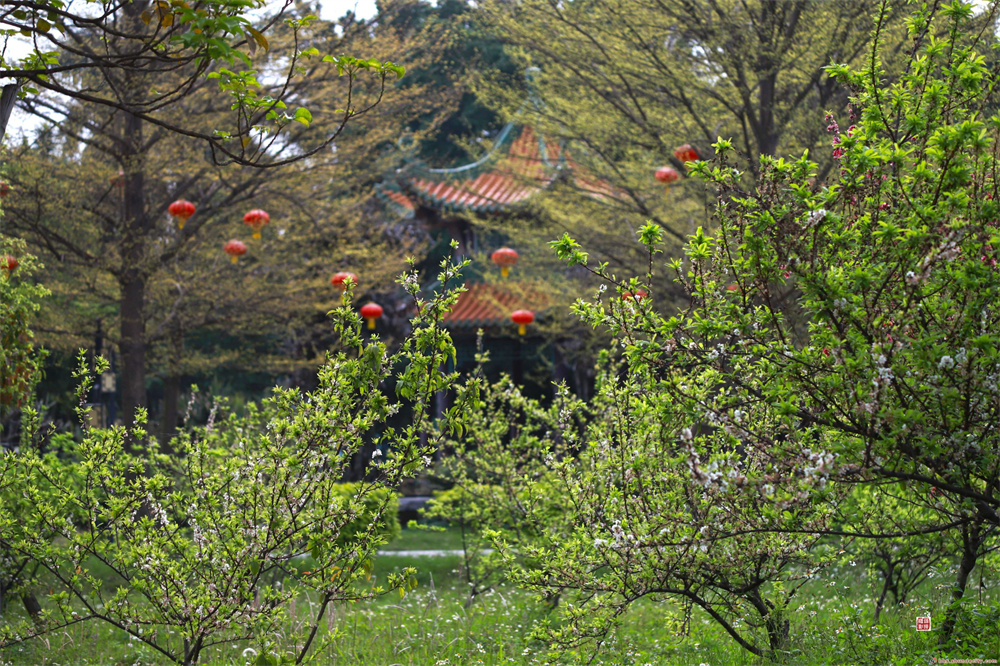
x=9, y=264
x=686, y=153
x=4, y=189
x=639, y=295
x=181, y=210
x=371, y=312
x=667, y=175
x=522, y=318
x=235, y=249
x=256, y=219
x=339, y=280
x=504, y=258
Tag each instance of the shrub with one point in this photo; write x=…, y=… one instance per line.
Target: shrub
x=834, y=334
x=503, y=481
x=20, y=361
x=201, y=545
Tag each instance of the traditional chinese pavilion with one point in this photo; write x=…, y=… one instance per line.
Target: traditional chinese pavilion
x=521, y=164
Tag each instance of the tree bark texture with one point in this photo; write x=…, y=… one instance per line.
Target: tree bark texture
x=132, y=278
x=972, y=540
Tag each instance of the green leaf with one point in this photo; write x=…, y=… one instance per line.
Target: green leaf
x=258, y=37
x=303, y=116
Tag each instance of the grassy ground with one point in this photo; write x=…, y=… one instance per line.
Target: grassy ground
x=424, y=538
x=434, y=626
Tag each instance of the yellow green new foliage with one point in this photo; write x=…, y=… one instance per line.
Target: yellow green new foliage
x=20, y=299
x=846, y=331
x=205, y=545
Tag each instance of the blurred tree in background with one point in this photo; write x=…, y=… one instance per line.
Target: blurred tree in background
x=168, y=298
x=625, y=84
x=617, y=88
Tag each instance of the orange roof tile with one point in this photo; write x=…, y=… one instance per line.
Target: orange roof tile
x=492, y=304
x=521, y=164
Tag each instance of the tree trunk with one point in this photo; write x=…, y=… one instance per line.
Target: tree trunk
x=890, y=570
x=767, y=137
x=171, y=395
x=971, y=541
x=775, y=622
x=133, y=345
x=7, y=98
x=172, y=387
x=32, y=606
x=132, y=278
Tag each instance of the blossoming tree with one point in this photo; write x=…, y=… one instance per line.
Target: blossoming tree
x=203, y=546
x=836, y=334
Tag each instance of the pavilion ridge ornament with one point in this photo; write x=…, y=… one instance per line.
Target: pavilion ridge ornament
x=256, y=219
x=521, y=163
x=339, y=280
x=181, y=211
x=504, y=258
x=522, y=318
x=371, y=312
x=235, y=249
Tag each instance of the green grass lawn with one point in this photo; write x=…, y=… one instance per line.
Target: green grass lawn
x=435, y=626
x=426, y=538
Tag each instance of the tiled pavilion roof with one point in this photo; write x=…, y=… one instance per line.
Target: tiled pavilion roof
x=521, y=163
x=487, y=304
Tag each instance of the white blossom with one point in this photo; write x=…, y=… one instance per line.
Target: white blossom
x=815, y=217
